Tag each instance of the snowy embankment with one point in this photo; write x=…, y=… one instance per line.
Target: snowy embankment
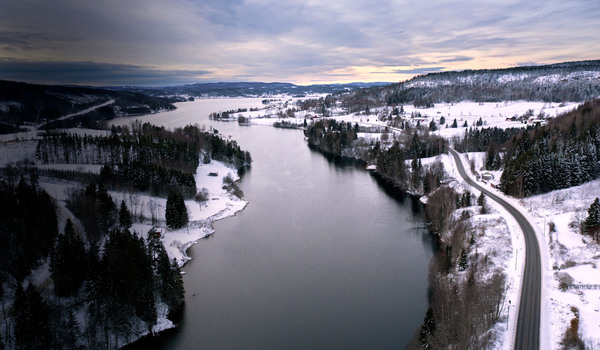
x=498, y=247
x=570, y=260
x=220, y=204
x=574, y=278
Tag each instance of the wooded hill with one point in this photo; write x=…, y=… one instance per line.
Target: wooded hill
x=253, y=89
x=562, y=154
x=569, y=81
x=22, y=103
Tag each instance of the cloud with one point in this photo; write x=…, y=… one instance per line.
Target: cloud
x=423, y=70
x=457, y=59
x=297, y=39
x=92, y=73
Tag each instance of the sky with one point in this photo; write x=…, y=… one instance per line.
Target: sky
x=157, y=42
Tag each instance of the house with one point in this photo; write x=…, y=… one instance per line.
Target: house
x=487, y=176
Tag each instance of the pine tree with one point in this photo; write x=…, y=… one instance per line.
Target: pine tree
x=463, y=262
x=32, y=320
x=125, y=220
x=481, y=203
x=427, y=329
x=176, y=212
x=591, y=224
x=68, y=262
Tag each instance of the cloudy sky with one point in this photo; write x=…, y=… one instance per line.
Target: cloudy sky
x=157, y=42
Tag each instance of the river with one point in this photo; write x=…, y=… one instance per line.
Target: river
x=323, y=257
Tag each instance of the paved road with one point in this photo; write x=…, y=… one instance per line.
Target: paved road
x=528, y=322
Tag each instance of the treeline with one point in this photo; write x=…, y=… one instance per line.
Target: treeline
x=392, y=162
x=467, y=295
x=148, y=158
x=226, y=114
x=331, y=137
x=480, y=139
x=564, y=153
x=103, y=291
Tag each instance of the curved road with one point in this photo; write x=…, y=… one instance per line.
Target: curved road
x=528, y=322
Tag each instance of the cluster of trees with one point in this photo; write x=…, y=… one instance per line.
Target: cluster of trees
x=284, y=124
x=392, y=162
x=339, y=139
x=563, y=154
x=108, y=286
x=226, y=114
x=331, y=137
x=479, y=139
x=95, y=209
x=28, y=227
x=147, y=159
x=466, y=301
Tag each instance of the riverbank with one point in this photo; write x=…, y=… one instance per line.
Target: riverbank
x=220, y=204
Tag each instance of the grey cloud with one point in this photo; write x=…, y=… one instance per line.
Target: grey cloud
x=457, y=59
x=423, y=70
x=92, y=73
x=295, y=38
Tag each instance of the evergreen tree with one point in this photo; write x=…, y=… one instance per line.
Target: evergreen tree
x=463, y=262
x=68, y=262
x=427, y=330
x=32, y=328
x=72, y=332
x=176, y=212
x=125, y=220
x=492, y=158
x=481, y=203
x=432, y=125
x=591, y=224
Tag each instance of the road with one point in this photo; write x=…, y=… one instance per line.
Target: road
x=87, y=110
x=528, y=321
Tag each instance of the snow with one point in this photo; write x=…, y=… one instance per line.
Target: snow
x=565, y=251
x=221, y=204
x=571, y=253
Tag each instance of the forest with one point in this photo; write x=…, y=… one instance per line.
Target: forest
x=569, y=81
x=106, y=285
x=562, y=154
x=145, y=158
x=97, y=295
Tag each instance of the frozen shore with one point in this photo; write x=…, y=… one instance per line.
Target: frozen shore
x=220, y=204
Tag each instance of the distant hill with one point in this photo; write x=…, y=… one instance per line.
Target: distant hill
x=252, y=89
x=569, y=81
x=32, y=104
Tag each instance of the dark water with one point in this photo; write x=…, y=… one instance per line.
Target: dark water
x=322, y=258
